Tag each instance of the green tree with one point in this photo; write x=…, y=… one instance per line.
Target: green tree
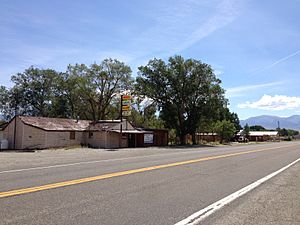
x=287, y=132
x=225, y=114
x=99, y=85
x=225, y=129
x=246, y=131
x=11, y=102
x=144, y=114
x=184, y=90
x=4, y=102
x=257, y=128
x=34, y=88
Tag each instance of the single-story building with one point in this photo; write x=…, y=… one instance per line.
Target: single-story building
x=153, y=137
x=261, y=135
x=26, y=132
x=207, y=137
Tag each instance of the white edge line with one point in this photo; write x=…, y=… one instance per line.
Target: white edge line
x=199, y=216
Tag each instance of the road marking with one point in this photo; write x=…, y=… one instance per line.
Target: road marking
x=96, y=161
x=107, y=160
x=122, y=173
x=199, y=216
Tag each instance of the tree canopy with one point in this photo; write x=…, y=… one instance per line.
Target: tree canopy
x=257, y=128
x=184, y=90
x=86, y=92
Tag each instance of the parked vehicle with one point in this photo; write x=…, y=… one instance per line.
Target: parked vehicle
x=243, y=139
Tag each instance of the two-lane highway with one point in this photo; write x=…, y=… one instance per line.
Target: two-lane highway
x=145, y=186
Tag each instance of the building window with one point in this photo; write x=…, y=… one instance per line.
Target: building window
x=91, y=134
x=72, y=135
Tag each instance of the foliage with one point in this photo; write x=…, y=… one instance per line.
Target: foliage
x=81, y=92
x=257, y=128
x=145, y=116
x=34, y=90
x=99, y=86
x=246, y=131
x=287, y=132
x=184, y=90
x=225, y=129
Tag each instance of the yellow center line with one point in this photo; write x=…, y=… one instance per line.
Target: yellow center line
x=118, y=174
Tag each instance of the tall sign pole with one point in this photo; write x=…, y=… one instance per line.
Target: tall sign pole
x=121, y=119
x=125, y=111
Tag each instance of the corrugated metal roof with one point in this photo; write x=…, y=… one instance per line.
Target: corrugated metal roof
x=262, y=133
x=132, y=131
x=56, y=124
x=106, y=125
x=62, y=124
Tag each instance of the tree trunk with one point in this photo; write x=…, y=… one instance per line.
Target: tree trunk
x=194, y=139
x=182, y=139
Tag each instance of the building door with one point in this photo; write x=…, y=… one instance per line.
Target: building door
x=131, y=140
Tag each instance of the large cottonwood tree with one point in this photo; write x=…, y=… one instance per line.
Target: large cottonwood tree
x=185, y=91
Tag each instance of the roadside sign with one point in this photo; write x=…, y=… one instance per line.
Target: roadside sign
x=126, y=102
x=125, y=107
x=126, y=113
x=126, y=97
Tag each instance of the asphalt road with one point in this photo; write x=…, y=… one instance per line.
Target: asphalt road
x=132, y=186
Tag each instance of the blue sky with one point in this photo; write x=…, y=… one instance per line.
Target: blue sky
x=253, y=46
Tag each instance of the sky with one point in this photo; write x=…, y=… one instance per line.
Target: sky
x=252, y=45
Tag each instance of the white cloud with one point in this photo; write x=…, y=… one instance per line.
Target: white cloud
x=276, y=62
x=273, y=103
x=183, y=23
x=242, y=90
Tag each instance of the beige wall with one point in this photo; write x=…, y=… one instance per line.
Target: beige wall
x=97, y=140
x=62, y=139
x=113, y=141
x=33, y=138
x=1, y=135
x=9, y=133
x=103, y=139
x=29, y=137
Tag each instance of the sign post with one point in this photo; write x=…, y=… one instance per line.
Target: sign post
x=124, y=111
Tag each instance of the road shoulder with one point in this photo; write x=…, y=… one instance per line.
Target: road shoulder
x=274, y=202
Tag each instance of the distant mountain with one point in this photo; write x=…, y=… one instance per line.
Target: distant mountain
x=271, y=122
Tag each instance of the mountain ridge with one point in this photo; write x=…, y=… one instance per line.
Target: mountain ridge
x=271, y=122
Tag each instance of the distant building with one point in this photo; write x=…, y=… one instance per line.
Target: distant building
x=25, y=132
x=207, y=137
x=261, y=135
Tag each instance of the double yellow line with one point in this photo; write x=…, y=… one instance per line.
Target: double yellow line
x=118, y=174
